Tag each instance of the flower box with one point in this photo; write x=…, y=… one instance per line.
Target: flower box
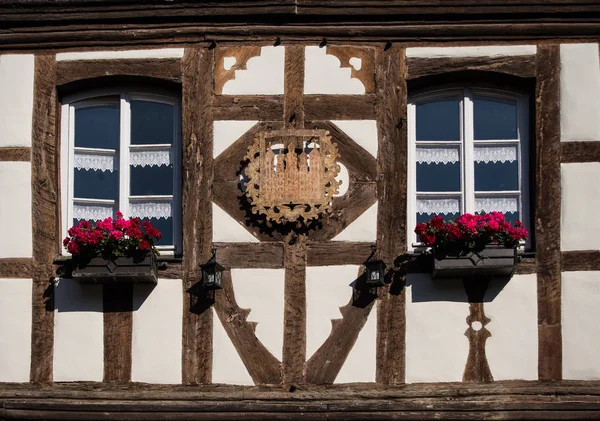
x=493, y=261
x=121, y=269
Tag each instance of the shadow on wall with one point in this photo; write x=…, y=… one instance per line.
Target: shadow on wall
x=425, y=289
x=69, y=296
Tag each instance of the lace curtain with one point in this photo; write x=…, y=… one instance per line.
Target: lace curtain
x=98, y=161
x=151, y=209
x=438, y=206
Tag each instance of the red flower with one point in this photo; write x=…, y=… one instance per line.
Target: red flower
x=144, y=245
x=119, y=215
x=66, y=241
x=115, y=235
x=73, y=248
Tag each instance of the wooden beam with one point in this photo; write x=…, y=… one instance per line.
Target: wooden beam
x=197, y=138
x=547, y=205
x=332, y=253
x=44, y=204
x=577, y=152
x=521, y=66
x=16, y=267
x=580, y=260
x=340, y=107
x=248, y=107
x=22, y=154
x=391, y=91
x=250, y=255
x=117, y=302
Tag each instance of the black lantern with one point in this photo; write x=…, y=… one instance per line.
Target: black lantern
x=212, y=272
x=374, y=270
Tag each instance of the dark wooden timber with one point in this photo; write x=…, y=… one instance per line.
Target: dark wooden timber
x=22, y=154
x=391, y=91
x=547, y=204
x=339, y=107
x=575, y=261
x=294, y=248
x=477, y=368
x=571, y=152
x=248, y=107
x=21, y=267
x=117, y=301
x=197, y=137
x=522, y=66
x=250, y=255
x=71, y=71
x=331, y=253
x=262, y=366
x=44, y=198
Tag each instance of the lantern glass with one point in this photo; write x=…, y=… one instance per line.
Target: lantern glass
x=212, y=275
x=375, y=273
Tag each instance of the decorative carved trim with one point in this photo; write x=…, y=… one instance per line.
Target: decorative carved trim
x=547, y=204
x=22, y=154
x=241, y=56
x=366, y=73
x=477, y=368
x=16, y=267
x=573, y=152
x=521, y=66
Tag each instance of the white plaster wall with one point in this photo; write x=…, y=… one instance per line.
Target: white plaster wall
x=227, y=366
x=227, y=230
x=481, y=51
x=364, y=228
x=16, y=99
x=327, y=289
x=226, y=132
x=512, y=350
x=261, y=291
x=157, y=332
x=580, y=202
x=263, y=74
x=436, y=345
x=323, y=74
x=580, y=327
x=363, y=132
x=579, y=92
x=78, y=332
x=123, y=54
x=360, y=366
x=15, y=209
x=15, y=330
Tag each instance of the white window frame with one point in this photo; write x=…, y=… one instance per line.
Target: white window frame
x=465, y=94
x=122, y=96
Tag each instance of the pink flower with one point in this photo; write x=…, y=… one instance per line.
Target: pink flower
x=115, y=235
x=73, y=248
x=119, y=215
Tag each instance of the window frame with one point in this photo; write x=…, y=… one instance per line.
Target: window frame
x=123, y=97
x=465, y=94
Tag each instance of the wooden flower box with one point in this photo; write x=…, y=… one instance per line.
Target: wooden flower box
x=119, y=270
x=492, y=261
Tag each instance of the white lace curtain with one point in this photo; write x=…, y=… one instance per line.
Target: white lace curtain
x=483, y=154
x=100, y=161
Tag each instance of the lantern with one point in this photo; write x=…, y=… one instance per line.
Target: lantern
x=212, y=272
x=374, y=270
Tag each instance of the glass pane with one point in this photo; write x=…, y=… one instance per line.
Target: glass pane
x=509, y=206
x=151, y=123
x=90, y=184
x=438, y=169
x=151, y=180
x=496, y=168
x=165, y=226
x=494, y=118
x=438, y=120
x=97, y=127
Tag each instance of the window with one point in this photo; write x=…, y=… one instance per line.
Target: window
x=468, y=152
x=121, y=151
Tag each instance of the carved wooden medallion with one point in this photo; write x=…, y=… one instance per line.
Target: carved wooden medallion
x=291, y=174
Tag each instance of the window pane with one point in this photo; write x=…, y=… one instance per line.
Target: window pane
x=91, y=184
x=494, y=118
x=151, y=123
x=165, y=226
x=438, y=120
x=97, y=127
x=151, y=180
x=509, y=206
x=496, y=168
x=438, y=169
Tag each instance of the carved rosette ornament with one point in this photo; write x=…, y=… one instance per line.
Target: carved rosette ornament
x=291, y=173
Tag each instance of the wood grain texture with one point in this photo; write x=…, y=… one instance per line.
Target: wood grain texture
x=21, y=267
x=241, y=56
x=391, y=212
x=580, y=260
x=339, y=107
x=250, y=255
x=366, y=72
x=248, y=107
x=22, y=154
x=197, y=131
x=477, y=368
x=44, y=198
x=262, y=366
x=521, y=66
x=117, y=301
x=573, y=152
x=332, y=253
x=71, y=71
x=547, y=204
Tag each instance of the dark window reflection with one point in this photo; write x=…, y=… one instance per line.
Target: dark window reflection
x=151, y=123
x=97, y=127
x=438, y=177
x=96, y=184
x=438, y=120
x=152, y=180
x=496, y=176
x=165, y=226
x=494, y=118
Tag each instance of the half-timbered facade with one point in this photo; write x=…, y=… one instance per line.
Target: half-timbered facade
x=433, y=108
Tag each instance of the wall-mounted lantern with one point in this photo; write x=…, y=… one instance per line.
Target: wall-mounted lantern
x=212, y=272
x=374, y=270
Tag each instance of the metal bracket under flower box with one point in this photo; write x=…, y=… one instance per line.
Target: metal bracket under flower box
x=493, y=260
x=119, y=270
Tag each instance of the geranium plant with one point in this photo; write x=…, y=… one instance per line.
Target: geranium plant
x=470, y=233
x=111, y=238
